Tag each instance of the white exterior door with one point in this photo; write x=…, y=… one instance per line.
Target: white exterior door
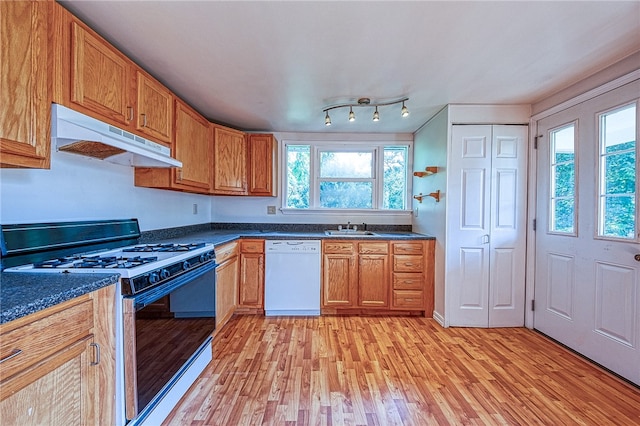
x=486, y=226
x=587, y=294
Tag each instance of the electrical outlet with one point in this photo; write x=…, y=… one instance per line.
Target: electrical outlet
x=195, y=208
x=271, y=209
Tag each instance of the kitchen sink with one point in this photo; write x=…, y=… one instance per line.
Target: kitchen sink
x=349, y=233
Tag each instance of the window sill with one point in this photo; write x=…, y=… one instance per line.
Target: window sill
x=342, y=212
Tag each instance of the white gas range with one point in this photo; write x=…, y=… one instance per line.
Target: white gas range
x=166, y=298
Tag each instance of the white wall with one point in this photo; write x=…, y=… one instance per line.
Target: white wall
x=231, y=209
x=83, y=188
x=430, y=149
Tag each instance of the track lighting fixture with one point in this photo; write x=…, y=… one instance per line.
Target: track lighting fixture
x=404, y=111
x=366, y=102
x=327, y=119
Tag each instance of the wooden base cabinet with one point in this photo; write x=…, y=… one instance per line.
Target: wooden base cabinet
x=58, y=364
x=339, y=274
x=226, y=283
x=251, y=286
x=412, y=277
x=377, y=276
x=26, y=88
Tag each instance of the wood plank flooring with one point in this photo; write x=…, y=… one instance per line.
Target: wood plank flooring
x=397, y=371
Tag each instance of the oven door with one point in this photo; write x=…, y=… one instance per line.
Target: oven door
x=163, y=327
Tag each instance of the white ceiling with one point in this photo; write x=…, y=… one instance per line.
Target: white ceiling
x=275, y=65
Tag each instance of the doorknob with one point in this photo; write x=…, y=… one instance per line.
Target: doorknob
x=637, y=257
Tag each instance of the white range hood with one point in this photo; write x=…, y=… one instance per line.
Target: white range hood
x=80, y=134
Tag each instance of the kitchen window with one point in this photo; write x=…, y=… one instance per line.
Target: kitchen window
x=338, y=177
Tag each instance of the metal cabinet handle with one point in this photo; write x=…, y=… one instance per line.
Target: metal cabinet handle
x=144, y=120
x=130, y=109
x=96, y=348
x=14, y=353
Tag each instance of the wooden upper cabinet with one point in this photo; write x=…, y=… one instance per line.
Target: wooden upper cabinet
x=100, y=77
x=261, y=167
x=193, y=147
x=229, y=161
x=154, y=108
x=25, y=87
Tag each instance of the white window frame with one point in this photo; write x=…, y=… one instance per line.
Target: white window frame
x=552, y=166
x=599, y=187
x=376, y=147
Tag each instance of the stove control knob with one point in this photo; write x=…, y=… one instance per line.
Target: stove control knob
x=203, y=258
x=164, y=274
x=185, y=265
x=154, y=277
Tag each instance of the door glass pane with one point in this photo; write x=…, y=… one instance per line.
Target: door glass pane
x=346, y=195
x=617, y=212
x=563, y=180
x=298, y=167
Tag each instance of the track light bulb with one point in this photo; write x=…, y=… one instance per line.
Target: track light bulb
x=404, y=112
x=376, y=116
x=327, y=119
x=352, y=116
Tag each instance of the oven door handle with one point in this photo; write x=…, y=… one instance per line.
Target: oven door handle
x=146, y=298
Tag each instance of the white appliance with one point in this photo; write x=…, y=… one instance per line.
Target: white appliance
x=80, y=134
x=292, y=279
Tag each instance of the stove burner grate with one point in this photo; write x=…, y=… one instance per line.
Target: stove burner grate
x=164, y=247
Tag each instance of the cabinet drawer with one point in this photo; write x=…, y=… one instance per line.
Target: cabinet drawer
x=408, y=281
x=44, y=333
x=252, y=246
x=373, y=248
x=339, y=247
x=408, y=248
x=408, y=299
x=226, y=251
x=408, y=263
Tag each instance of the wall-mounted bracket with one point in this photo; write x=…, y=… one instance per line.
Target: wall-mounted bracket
x=435, y=195
x=427, y=172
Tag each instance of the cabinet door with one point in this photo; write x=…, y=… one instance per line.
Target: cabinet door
x=226, y=291
x=251, y=280
x=155, y=109
x=192, y=147
x=373, y=280
x=229, y=161
x=25, y=89
x=262, y=166
x=339, y=280
x=60, y=397
x=100, y=77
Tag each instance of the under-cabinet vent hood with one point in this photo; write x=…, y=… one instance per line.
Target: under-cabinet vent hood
x=80, y=134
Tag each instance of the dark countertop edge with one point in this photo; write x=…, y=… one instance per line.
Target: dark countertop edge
x=81, y=284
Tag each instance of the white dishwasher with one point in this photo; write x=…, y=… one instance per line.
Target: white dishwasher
x=292, y=278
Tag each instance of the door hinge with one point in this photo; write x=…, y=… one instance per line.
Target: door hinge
x=535, y=141
x=533, y=305
x=534, y=224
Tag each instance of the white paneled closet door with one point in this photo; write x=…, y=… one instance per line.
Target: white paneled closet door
x=486, y=238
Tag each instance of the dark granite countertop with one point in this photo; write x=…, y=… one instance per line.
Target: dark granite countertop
x=218, y=237
x=25, y=293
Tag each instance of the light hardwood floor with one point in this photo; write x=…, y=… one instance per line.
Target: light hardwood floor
x=397, y=371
